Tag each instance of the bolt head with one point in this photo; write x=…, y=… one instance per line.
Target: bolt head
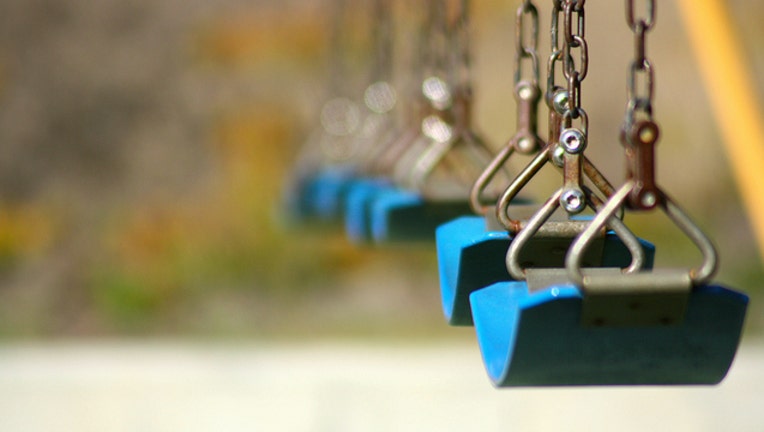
x=558, y=156
x=526, y=144
x=573, y=201
x=560, y=101
x=647, y=133
x=573, y=140
x=525, y=93
x=649, y=200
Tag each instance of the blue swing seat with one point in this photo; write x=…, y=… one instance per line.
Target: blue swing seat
x=538, y=339
x=358, y=207
x=471, y=257
x=405, y=216
x=325, y=193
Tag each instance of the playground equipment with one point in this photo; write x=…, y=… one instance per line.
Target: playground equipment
x=560, y=293
x=604, y=327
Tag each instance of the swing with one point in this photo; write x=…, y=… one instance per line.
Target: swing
x=413, y=212
x=606, y=327
x=537, y=338
x=379, y=163
x=334, y=156
x=574, y=326
x=471, y=250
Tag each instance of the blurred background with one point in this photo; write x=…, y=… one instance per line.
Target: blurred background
x=144, y=148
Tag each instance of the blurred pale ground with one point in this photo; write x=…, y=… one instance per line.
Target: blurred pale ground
x=143, y=145
x=337, y=387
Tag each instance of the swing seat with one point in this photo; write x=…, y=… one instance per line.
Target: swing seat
x=539, y=338
x=472, y=256
x=358, y=206
x=327, y=191
x=405, y=216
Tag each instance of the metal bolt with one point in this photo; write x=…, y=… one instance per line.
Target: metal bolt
x=649, y=199
x=436, y=129
x=648, y=133
x=526, y=144
x=573, y=201
x=437, y=92
x=558, y=156
x=380, y=97
x=525, y=91
x=560, y=101
x=573, y=140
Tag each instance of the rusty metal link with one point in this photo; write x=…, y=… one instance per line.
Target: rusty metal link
x=439, y=40
x=557, y=10
x=640, y=102
x=527, y=96
x=648, y=21
x=574, y=73
x=552, y=89
x=463, y=68
x=555, y=57
x=574, y=94
x=527, y=50
x=569, y=65
x=573, y=141
x=382, y=68
x=639, y=133
x=574, y=7
x=640, y=42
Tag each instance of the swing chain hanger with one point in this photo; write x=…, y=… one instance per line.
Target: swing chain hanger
x=556, y=96
x=527, y=90
x=574, y=40
x=527, y=94
x=574, y=197
x=640, y=192
x=640, y=132
x=572, y=140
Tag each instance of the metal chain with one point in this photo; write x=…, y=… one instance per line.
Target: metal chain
x=338, y=62
x=382, y=35
x=555, y=57
x=438, y=38
x=527, y=95
x=574, y=40
x=527, y=50
x=527, y=91
x=640, y=135
x=640, y=101
x=572, y=140
x=461, y=67
x=462, y=50
x=438, y=70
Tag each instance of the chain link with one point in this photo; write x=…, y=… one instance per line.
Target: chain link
x=640, y=100
x=639, y=132
x=462, y=47
x=555, y=55
x=574, y=7
x=383, y=39
x=527, y=50
x=648, y=21
x=575, y=74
